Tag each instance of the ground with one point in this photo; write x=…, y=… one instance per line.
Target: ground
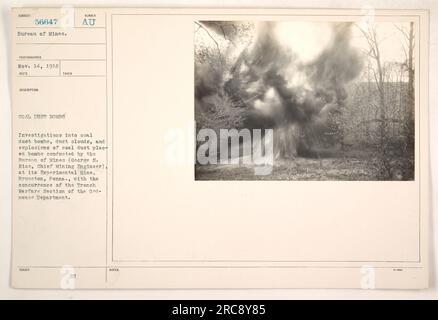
x=352, y=165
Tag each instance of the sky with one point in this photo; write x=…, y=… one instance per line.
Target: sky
x=308, y=39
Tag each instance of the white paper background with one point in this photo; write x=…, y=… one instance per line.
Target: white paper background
x=5, y=159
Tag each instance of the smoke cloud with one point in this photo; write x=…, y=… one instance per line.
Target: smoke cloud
x=281, y=91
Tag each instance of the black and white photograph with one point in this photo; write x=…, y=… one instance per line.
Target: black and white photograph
x=305, y=100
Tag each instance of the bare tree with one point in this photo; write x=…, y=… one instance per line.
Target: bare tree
x=408, y=49
x=370, y=35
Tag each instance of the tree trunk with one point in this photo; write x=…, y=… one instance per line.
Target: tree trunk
x=410, y=126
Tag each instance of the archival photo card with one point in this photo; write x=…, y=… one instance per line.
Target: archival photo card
x=157, y=148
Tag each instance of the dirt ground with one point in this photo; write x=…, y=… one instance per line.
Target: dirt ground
x=348, y=166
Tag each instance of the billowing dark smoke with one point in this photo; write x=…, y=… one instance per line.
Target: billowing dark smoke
x=336, y=66
x=299, y=112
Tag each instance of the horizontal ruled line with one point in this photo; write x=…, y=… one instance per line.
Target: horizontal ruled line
x=64, y=76
x=46, y=27
x=215, y=267
x=60, y=43
x=36, y=59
